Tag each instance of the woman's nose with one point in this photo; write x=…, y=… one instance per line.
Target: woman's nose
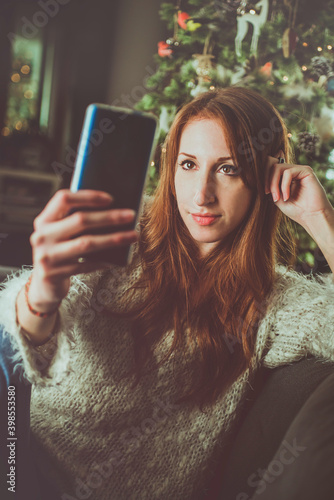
x=205, y=191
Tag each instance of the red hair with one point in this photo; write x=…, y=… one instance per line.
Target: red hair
x=221, y=298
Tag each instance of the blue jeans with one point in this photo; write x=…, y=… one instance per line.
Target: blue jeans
x=18, y=469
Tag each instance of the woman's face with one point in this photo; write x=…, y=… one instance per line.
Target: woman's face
x=211, y=196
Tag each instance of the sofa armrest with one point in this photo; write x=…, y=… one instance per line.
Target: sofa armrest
x=265, y=424
x=303, y=465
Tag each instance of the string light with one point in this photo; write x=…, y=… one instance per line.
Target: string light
x=305, y=44
x=5, y=131
x=285, y=78
x=18, y=125
x=304, y=68
x=212, y=87
x=15, y=78
x=319, y=49
x=252, y=11
x=163, y=150
x=289, y=135
x=271, y=82
x=28, y=94
x=329, y=47
x=25, y=69
x=152, y=163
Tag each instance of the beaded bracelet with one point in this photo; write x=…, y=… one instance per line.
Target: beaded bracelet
x=31, y=309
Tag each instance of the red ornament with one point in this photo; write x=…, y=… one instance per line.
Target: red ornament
x=266, y=69
x=181, y=19
x=164, y=49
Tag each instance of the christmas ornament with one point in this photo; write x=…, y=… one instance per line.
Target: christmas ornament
x=257, y=20
x=192, y=25
x=173, y=44
x=203, y=67
x=320, y=66
x=324, y=124
x=330, y=84
x=164, y=49
x=290, y=38
x=241, y=10
x=182, y=18
x=308, y=143
x=266, y=69
x=289, y=42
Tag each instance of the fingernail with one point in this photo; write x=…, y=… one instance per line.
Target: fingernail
x=275, y=198
x=128, y=213
x=107, y=196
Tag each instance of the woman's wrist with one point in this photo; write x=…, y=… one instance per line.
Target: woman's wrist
x=321, y=228
x=37, y=340
x=36, y=329
x=42, y=309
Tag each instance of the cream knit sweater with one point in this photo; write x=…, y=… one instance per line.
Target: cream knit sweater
x=106, y=441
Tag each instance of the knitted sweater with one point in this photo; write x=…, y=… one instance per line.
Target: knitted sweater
x=105, y=440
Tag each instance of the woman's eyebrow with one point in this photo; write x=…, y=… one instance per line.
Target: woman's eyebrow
x=222, y=158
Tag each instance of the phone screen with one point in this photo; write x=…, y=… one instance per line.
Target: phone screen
x=114, y=152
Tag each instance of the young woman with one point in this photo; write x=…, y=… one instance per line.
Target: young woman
x=138, y=374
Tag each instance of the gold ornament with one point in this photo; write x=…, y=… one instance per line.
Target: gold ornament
x=204, y=66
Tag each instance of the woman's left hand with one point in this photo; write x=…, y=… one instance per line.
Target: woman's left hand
x=296, y=191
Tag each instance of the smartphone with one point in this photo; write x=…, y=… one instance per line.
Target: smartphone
x=116, y=147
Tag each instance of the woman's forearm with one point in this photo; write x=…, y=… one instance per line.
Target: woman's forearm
x=321, y=228
x=37, y=329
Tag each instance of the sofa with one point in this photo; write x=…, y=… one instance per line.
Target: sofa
x=283, y=448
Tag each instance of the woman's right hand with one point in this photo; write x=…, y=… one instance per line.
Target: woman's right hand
x=57, y=244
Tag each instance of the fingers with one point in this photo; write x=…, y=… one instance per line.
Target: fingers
x=268, y=171
x=281, y=176
x=60, y=204
x=60, y=239
x=48, y=256
x=274, y=181
x=64, y=271
x=286, y=184
x=79, y=222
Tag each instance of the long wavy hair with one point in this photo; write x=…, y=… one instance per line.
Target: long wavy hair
x=221, y=298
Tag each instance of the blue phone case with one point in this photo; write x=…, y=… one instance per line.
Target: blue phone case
x=115, y=149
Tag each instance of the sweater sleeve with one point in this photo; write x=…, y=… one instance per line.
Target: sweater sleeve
x=300, y=319
x=321, y=340
x=48, y=364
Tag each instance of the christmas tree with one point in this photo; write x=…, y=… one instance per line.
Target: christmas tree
x=283, y=49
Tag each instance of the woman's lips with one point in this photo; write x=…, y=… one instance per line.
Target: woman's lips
x=205, y=220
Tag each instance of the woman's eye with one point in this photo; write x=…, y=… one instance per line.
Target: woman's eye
x=229, y=169
x=187, y=164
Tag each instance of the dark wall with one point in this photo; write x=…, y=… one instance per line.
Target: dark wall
x=139, y=29
x=103, y=49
